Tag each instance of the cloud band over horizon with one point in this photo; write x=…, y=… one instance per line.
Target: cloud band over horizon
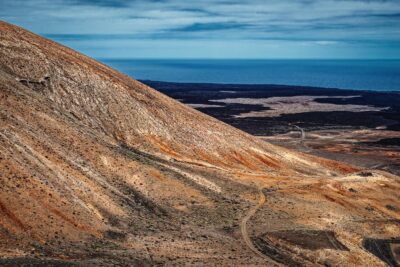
x=337, y=29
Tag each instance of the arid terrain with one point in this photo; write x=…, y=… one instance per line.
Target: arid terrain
x=373, y=149
x=98, y=169
x=360, y=128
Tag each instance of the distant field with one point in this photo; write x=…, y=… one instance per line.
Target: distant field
x=357, y=127
x=310, y=107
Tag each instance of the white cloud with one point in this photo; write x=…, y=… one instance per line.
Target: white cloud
x=312, y=23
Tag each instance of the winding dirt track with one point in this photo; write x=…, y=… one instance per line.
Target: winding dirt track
x=302, y=138
x=243, y=228
x=303, y=133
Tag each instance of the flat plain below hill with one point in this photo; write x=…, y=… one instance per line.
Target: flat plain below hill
x=358, y=127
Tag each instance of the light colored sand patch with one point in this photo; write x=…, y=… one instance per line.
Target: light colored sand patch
x=198, y=180
x=204, y=106
x=376, y=177
x=294, y=104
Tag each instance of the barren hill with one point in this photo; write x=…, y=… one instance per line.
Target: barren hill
x=99, y=169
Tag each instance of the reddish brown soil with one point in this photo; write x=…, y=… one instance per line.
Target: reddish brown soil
x=99, y=169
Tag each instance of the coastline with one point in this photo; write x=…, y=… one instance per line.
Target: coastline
x=268, y=86
x=346, y=74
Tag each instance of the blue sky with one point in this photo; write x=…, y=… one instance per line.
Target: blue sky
x=256, y=29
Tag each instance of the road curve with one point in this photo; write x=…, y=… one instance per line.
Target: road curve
x=303, y=133
x=243, y=228
x=302, y=138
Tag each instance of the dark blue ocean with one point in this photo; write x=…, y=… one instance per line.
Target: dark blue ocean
x=379, y=75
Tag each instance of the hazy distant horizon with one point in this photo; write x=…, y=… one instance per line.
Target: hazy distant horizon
x=248, y=59
x=377, y=75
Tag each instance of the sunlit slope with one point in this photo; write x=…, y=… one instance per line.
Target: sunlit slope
x=95, y=163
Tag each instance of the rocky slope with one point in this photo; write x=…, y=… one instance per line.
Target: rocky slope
x=99, y=169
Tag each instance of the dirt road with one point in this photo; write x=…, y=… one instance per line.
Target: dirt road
x=243, y=228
